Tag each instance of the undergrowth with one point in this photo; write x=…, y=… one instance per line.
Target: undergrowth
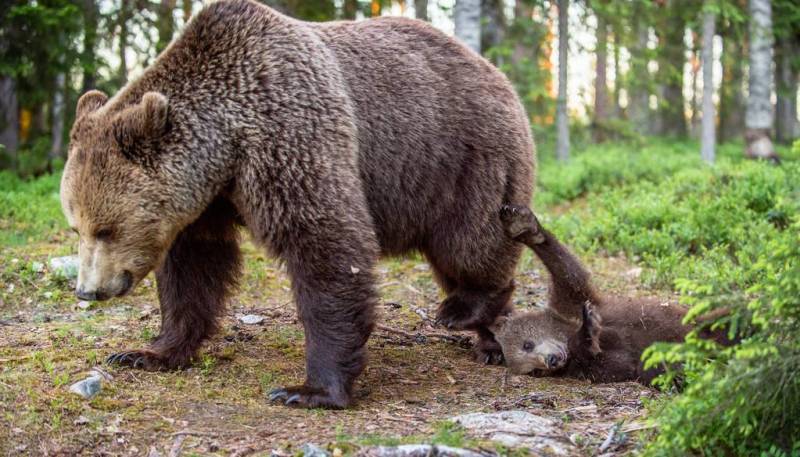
x=724, y=236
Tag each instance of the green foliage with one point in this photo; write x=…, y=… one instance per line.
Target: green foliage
x=29, y=210
x=726, y=236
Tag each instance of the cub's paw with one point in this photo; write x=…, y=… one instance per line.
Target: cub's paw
x=519, y=221
x=144, y=359
x=308, y=397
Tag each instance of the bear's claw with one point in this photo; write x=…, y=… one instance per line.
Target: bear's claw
x=306, y=397
x=142, y=359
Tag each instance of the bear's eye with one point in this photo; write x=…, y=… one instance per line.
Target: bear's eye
x=527, y=346
x=103, y=234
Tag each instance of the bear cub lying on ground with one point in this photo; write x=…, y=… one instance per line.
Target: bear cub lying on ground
x=580, y=334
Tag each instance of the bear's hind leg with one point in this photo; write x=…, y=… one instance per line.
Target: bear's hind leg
x=200, y=270
x=480, y=288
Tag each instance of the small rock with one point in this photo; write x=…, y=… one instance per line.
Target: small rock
x=634, y=273
x=312, y=450
x=88, y=387
x=81, y=420
x=66, y=267
x=418, y=450
x=517, y=429
x=83, y=304
x=251, y=319
x=48, y=295
x=422, y=267
x=153, y=452
x=37, y=267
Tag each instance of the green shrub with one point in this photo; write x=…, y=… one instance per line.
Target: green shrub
x=725, y=236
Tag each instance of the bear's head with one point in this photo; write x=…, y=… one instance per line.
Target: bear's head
x=539, y=342
x=112, y=194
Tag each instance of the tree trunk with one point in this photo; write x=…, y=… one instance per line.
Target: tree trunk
x=165, y=24
x=731, y=93
x=696, y=68
x=57, y=124
x=494, y=27
x=9, y=117
x=672, y=119
x=421, y=9
x=88, y=56
x=617, y=106
x=562, y=122
x=786, y=83
x=600, y=81
x=187, y=10
x=639, y=92
x=758, y=117
x=467, y=18
x=124, y=16
x=708, y=137
x=349, y=9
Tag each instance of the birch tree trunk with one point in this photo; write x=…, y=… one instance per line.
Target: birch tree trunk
x=562, y=122
x=467, y=18
x=708, y=136
x=786, y=125
x=421, y=9
x=758, y=117
x=601, y=81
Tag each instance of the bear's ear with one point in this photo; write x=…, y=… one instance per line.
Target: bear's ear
x=90, y=102
x=142, y=122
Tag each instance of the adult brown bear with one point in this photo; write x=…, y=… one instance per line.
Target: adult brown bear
x=333, y=143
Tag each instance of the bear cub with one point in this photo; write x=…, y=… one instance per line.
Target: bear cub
x=581, y=334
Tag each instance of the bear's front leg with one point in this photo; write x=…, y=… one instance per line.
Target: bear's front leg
x=333, y=286
x=199, y=272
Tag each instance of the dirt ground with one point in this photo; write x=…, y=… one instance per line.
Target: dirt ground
x=418, y=375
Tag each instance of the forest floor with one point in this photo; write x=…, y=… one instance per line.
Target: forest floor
x=418, y=376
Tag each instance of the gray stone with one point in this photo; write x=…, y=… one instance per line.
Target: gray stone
x=419, y=450
x=88, y=387
x=65, y=267
x=312, y=450
x=517, y=429
x=251, y=319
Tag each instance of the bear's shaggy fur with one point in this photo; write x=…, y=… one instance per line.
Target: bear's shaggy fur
x=333, y=143
x=579, y=334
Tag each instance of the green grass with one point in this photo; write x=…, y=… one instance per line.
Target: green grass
x=30, y=210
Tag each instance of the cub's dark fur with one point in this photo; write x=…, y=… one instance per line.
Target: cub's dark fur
x=333, y=143
x=581, y=334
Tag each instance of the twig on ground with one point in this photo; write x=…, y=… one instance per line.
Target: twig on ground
x=194, y=433
x=609, y=439
x=421, y=336
x=175, y=450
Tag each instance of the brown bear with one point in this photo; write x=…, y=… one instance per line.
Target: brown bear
x=332, y=143
x=580, y=334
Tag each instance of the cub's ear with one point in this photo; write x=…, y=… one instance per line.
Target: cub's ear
x=90, y=102
x=498, y=324
x=142, y=122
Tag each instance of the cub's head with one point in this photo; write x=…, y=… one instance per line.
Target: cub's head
x=111, y=197
x=538, y=342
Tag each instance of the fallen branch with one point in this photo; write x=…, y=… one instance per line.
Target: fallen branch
x=420, y=337
x=609, y=439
